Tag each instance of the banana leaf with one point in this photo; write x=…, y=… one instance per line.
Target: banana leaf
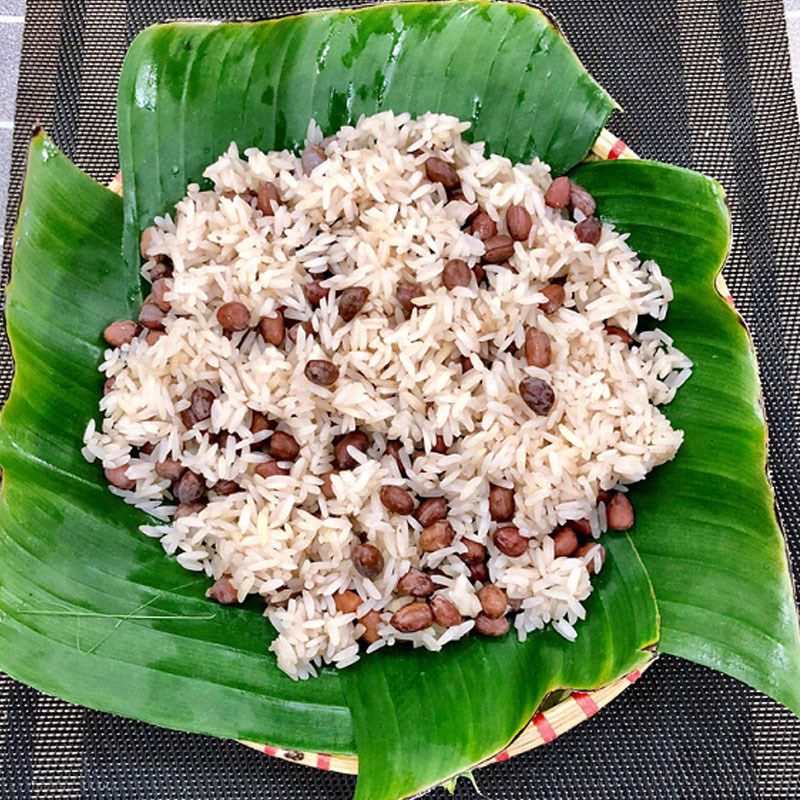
x=88, y=605
x=420, y=718
x=706, y=527
x=502, y=66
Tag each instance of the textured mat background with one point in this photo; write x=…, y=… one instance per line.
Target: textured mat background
x=705, y=84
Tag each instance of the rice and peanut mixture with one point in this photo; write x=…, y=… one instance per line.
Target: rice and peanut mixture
x=391, y=385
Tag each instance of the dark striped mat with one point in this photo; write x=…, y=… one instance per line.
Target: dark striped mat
x=705, y=84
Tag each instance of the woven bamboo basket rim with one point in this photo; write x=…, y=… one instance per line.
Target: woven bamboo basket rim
x=543, y=728
x=547, y=724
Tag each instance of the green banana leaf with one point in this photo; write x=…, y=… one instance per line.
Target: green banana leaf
x=706, y=527
x=87, y=604
x=420, y=718
x=502, y=66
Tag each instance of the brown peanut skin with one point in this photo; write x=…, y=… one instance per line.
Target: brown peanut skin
x=444, y=612
x=273, y=329
x=436, y=536
x=439, y=171
x=371, y=620
x=519, y=223
x=397, y=499
x=565, y=542
x=283, y=446
x=510, y=541
x=554, y=292
x=501, y=503
x=619, y=513
x=538, y=352
x=493, y=601
x=412, y=618
x=431, y=510
x=233, y=316
x=558, y=193
x=491, y=627
x=346, y=602
x=342, y=458
x=416, y=584
x=368, y=560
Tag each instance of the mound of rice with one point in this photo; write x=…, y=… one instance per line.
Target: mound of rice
x=369, y=216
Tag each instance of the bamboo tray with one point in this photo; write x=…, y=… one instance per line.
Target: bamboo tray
x=544, y=727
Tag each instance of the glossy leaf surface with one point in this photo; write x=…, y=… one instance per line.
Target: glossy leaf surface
x=503, y=66
x=706, y=526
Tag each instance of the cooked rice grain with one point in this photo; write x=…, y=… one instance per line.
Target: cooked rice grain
x=369, y=216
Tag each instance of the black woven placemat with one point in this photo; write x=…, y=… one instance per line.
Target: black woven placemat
x=705, y=84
